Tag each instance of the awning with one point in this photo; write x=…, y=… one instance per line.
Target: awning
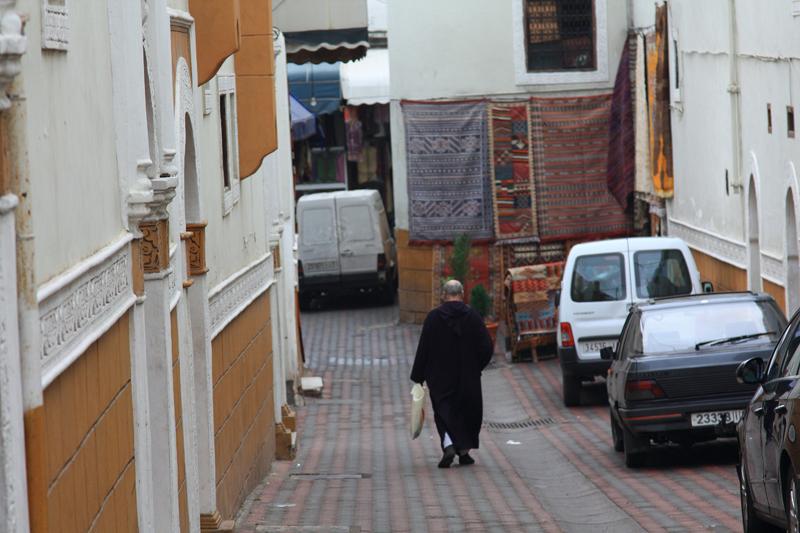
x=304, y=125
x=323, y=30
x=367, y=81
x=317, y=87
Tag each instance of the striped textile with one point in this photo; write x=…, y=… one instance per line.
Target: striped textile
x=569, y=138
x=449, y=190
x=621, y=173
x=512, y=183
x=532, y=291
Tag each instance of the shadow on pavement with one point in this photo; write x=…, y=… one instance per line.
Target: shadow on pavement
x=345, y=302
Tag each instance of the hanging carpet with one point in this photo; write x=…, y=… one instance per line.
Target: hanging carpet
x=569, y=139
x=621, y=173
x=449, y=190
x=512, y=182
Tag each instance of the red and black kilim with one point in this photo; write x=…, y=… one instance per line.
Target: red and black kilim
x=569, y=138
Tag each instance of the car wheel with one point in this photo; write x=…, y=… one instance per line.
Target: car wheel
x=791, y=487
x=571, y=390
x=387, y=294
x=616, y=433
x=635, y=449
x=751, y=523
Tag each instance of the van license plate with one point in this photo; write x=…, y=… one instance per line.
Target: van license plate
x=596, y=346
x=717, y=417
x=324, y=266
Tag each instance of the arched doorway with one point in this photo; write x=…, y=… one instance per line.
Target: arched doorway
x=792, y=263
x=753, y=245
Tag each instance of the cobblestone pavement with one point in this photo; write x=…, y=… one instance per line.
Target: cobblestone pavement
x=541, y=466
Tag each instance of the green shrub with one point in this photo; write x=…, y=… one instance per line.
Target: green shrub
x=480, y=301
x=459, y=261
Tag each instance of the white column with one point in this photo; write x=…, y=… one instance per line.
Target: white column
x=13, y=483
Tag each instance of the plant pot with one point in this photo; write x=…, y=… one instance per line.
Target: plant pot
x=492, y=327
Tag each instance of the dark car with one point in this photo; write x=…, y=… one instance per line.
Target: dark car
x=769, y=456
x=673, y=376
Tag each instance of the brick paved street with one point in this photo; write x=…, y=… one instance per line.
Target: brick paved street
x=357, y=470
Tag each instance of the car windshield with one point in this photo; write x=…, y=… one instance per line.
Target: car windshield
x=698, y=327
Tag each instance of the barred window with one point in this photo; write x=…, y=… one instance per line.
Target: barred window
x=560, y=34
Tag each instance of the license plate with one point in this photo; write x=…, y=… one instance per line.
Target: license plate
x=596, y=346
x=716, y=417
x=324, y=266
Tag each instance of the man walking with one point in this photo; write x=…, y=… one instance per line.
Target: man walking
x=453, y=350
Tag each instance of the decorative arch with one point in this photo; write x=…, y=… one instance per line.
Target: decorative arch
x=791, y=261
x=187, y=147
x=752, y=227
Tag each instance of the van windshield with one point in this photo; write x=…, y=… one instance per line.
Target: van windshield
x=693, y=327
x=661, y=273
x=599, y=278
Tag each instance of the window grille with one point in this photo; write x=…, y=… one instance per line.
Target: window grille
x=560, y=35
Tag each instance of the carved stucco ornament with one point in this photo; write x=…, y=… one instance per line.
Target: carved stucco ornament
x=12, y=46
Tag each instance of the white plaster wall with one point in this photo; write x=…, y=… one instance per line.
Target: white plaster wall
x=237, y=239
x=769, y=65
x=462, y=48
x=70, y=137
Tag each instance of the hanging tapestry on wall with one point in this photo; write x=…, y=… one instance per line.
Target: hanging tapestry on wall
x=569, y=138
x=449, y=190
x=621, y=173
x=484, y=268
x=512, y=182
x=661, y=128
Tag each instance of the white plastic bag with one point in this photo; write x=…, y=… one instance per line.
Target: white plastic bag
x=417, y=410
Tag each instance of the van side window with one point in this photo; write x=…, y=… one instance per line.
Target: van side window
x=317, y=226
x=356, y=223
x=599, y=278
x=661, y=273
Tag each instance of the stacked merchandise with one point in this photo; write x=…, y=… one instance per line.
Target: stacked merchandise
x=532, y=317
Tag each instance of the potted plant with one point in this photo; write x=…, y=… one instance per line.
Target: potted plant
x=480, y=301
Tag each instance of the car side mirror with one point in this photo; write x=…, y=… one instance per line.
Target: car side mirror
x=607, y=353
x=707, y=286
x=751, y=372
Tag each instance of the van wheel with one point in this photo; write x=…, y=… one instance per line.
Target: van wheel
x=635, y=449
x=304, y=302
x=571, y=390
x=616, y=433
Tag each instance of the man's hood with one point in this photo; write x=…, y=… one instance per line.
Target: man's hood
x=453, y=314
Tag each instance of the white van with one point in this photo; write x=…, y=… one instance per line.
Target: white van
x=601, y=281
x=345, y=245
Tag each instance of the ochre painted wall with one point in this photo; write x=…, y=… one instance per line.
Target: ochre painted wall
x=724, y=276
x=777, y=292
x=183, y=506
x=244, y=413
x=416, y=279
x=89, y=426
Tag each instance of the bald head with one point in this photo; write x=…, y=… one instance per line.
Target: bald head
x=453, y=291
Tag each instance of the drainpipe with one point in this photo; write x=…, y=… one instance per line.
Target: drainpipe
x=14, y=123
x=737, y=183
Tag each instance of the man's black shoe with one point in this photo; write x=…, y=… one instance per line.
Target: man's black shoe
x=447, y=458
x=465, y=459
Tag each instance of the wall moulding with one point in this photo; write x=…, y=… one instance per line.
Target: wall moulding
x=712, y=244
x=233, y=295
x=196, y=248
x=155, y=245
x=78, y=307
x=55, y=25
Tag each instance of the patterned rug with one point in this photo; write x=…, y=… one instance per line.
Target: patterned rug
x=531, y=291
x=621, y=173
x=569, y=139
x=518, y=255
x=661, y=128
x=449, y=190
x=484, y=268
x=512, y=182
